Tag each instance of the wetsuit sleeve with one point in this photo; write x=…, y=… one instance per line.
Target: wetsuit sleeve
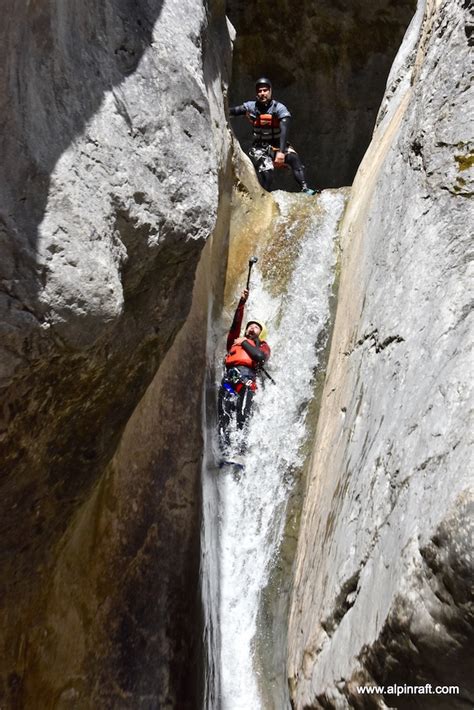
x=284, y=128
x=259, y=353
x=238, y=110
x=234, y=331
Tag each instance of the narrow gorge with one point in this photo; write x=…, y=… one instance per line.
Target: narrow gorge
x=136, y=572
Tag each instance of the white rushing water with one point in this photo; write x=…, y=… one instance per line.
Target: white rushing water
x=244, y=515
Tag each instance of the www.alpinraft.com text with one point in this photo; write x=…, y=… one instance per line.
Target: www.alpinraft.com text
x=427, y=689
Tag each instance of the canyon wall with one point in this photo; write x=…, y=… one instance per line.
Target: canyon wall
x=115, y=170
x=382, y=589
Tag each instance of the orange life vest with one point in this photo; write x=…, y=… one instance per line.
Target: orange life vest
x=266, y=126
x=238, y=356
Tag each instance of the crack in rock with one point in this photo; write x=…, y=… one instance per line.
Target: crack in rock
x=376, y=343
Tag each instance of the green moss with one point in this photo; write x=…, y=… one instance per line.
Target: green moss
x=464, y=161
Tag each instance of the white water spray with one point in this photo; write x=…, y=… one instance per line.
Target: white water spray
x=245, y=514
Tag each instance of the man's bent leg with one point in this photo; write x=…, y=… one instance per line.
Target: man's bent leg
x=224, y=409
x=265, y=178
x=263, y=164
x=294, y=161
x=244, y=406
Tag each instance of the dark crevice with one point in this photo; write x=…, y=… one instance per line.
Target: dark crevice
x=344, y=601
x=376, y=343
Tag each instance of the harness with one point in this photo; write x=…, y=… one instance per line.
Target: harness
x=234, y=382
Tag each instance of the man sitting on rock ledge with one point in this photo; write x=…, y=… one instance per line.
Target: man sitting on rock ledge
x=270, y=121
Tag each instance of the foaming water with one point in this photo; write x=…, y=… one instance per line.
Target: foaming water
x=245, y=512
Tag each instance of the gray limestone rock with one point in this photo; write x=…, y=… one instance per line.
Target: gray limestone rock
x=114, y=151
x=384, y=565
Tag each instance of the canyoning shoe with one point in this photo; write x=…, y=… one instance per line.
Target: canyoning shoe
x=236, y=462
x=309, y=191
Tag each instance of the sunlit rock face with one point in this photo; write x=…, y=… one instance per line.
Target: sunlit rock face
x=329, y=63
x=384, y=560
x=114, y=147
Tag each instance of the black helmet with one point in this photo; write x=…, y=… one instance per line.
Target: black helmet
x=263, y=81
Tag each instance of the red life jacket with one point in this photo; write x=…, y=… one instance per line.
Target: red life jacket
x=238, y=356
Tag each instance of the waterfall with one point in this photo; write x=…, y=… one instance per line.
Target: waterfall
x=244, y=512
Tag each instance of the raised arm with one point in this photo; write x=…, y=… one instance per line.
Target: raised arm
x=234, y=331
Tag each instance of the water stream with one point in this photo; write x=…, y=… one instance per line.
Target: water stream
x=244, y=512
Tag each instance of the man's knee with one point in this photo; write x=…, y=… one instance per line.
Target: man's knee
x=265, y=178
x=293, y=160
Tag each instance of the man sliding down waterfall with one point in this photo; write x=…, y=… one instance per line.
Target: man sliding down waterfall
x=245, y=357
x=270, y=121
